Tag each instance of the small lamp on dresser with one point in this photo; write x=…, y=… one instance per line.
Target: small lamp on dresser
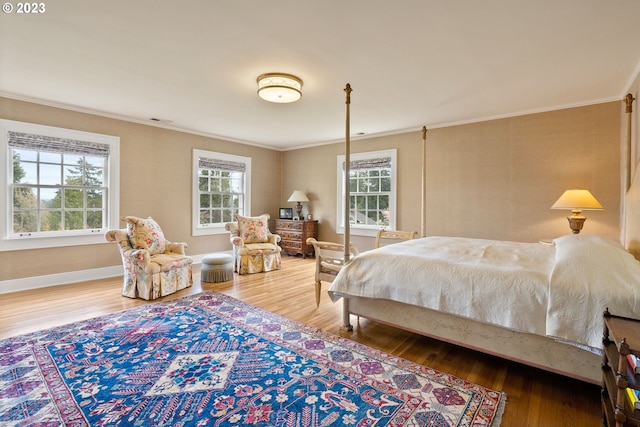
x=298, y=196
x=576, y=201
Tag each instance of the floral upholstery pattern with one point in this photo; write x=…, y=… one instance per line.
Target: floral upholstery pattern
x=254, y=229
x=146, y=234
x=254, y=255
x=149, y=274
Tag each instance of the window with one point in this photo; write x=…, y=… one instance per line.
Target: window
x=221, y=188
x=61, y=186
x=372, y=192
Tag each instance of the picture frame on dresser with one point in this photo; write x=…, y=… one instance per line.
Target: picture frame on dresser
x=286, y=213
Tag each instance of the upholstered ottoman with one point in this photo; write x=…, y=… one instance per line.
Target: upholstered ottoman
x=216, y=268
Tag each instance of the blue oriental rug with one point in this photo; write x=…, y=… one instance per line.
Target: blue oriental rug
x=211, y=360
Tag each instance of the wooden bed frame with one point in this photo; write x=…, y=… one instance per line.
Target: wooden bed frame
x=534, y=350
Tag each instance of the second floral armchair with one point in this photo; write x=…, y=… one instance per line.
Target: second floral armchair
x=255, y=248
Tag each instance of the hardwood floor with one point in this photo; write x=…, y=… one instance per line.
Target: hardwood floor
x=534, y=397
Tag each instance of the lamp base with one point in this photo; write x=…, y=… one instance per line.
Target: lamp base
x=576, y=222
x=299, y=210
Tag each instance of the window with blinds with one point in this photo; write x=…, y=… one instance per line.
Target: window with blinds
x=372, y=190
x=221, y=189
x=57, y=182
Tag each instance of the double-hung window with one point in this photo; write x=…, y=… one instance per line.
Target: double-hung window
x=372, y=192
x=221, y=188
x=59, y=186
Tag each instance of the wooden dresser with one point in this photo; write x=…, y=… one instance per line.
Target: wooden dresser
x=294, y=235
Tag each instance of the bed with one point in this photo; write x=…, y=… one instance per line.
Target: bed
x=533, y=303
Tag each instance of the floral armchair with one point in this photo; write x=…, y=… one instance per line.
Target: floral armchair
x=255, y=248
x=153, y=266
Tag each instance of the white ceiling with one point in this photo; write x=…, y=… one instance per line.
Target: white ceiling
x=410, y=62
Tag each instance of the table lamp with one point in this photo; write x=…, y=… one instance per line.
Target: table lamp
x=576, y=201
x=298, y=196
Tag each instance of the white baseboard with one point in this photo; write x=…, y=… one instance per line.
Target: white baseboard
x=36, y=282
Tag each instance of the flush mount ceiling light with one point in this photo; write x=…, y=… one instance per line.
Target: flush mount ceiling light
x=279, y=87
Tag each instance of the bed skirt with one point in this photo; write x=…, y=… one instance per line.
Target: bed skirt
x=534, y=350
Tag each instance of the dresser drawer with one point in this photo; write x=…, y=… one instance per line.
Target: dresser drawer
x=292, y=245
x=289, y=235
x=290, y=225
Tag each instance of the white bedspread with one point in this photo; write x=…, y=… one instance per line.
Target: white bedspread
x=590, y=274
x=555, y=290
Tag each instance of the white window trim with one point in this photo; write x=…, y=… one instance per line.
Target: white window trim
x=208, y=229
x=359, y=229
x=79, y=237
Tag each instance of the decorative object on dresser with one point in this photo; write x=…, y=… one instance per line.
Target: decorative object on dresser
x=298, y=197
x=255, y=248
x=621, y=338
x=294, y=235
x=286, y=213
x=153, y=266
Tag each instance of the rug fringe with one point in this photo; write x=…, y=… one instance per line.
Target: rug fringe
x=497, y=420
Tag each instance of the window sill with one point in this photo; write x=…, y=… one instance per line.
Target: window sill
x=51, y=242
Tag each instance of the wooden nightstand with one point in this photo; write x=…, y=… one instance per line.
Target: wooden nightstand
x=621, y=337
x=294, y=235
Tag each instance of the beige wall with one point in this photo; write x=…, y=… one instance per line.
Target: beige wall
x=313, y=170
x=494, y=179
x=155, y=180
x=497, y=179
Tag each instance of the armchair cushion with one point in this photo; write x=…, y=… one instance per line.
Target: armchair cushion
x=254, y=229
x=146, y=234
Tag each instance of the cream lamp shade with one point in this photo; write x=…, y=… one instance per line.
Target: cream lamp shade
x=280, y=88
x=576, y=201
x=298, y=196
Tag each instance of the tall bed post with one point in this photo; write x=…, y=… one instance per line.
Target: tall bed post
x=629, y=224
x=347, y=166
x=628, y=170
x=346, y=319
x=423, y=215
x=630, y=163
